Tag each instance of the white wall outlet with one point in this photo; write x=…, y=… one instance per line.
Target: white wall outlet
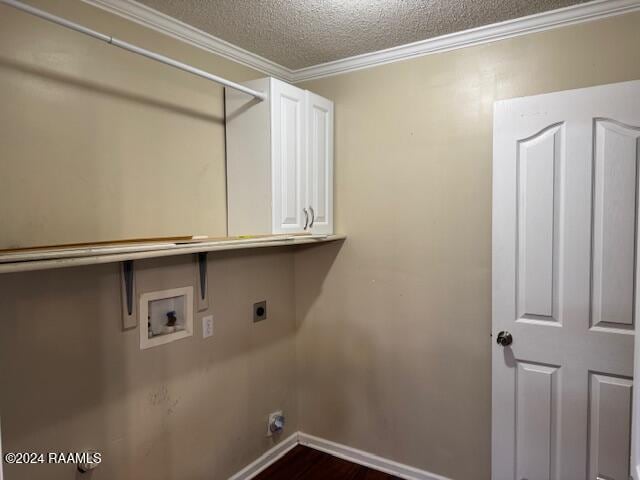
x=207, y=326
x=275, y=423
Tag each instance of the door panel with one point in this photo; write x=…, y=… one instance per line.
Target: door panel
x=614, y=207
x=609, y=426
x=320, y=162
x=537, y=417
x=564, y=256
x=539, y=160
x=289, y=160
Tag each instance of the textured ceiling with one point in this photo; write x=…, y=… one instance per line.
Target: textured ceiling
x=300, y=33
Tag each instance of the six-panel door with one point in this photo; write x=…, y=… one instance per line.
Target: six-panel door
x=565, y=215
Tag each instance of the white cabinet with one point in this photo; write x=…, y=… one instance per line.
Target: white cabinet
x=288, y=158
x=319, y=167
x=279, y=160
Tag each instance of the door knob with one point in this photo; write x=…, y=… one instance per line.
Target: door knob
x=504, y=339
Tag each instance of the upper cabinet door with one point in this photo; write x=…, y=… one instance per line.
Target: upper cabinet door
x=319, y=185
x=290, y=212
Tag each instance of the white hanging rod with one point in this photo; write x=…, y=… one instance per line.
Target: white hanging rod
x=131, y=48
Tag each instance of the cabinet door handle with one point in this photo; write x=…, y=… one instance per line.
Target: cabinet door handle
x=306, y=218
x=313, y=216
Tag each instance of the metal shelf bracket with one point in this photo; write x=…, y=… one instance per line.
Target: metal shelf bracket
x=128, y=287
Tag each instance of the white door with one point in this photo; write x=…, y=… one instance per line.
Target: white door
x=320, y=163
x=288, y=123
x=565, y=185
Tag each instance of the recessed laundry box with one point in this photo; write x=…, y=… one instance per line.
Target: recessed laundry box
x=165, y=316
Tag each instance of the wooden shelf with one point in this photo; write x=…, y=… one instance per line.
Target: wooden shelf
x=30, y=260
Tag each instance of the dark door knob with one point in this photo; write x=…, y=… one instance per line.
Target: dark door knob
x=504, y=338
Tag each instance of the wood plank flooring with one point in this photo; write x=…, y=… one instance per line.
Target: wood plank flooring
x=304, y=463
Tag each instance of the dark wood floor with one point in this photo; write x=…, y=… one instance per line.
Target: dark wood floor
x=303, y=463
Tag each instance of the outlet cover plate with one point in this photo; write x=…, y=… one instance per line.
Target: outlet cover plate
x=207, y=326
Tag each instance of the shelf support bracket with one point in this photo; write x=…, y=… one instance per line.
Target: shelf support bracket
x=128, y=287
x=202, y=281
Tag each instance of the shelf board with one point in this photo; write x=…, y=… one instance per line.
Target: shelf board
x=30, y=260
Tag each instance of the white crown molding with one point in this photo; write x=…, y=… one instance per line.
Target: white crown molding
x=490, y=33
x=155, y=20
x=150, y=18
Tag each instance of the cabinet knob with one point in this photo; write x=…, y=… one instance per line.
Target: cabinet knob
x=306, y=218
x=313, y=216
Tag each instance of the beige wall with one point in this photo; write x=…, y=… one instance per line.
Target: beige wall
x=393, y=337
x=100, y=144
x=193, y=409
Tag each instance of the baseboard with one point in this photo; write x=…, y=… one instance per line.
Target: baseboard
x=270, y=456
x=337, y=450
x=367, y=459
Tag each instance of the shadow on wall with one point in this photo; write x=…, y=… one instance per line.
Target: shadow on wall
x=73, y=379
x=91, y=143
x=333, y=352
x=68, y=81
x=324, y=257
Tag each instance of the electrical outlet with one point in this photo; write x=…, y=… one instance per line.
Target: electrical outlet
x=207, y=326
x=260, y=311
x=275, y=423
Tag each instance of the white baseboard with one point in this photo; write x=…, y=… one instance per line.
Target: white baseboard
x=366, y=459
x=270, y=456
x=337, y=450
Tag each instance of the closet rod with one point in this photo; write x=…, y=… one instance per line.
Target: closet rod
x=131, y=48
